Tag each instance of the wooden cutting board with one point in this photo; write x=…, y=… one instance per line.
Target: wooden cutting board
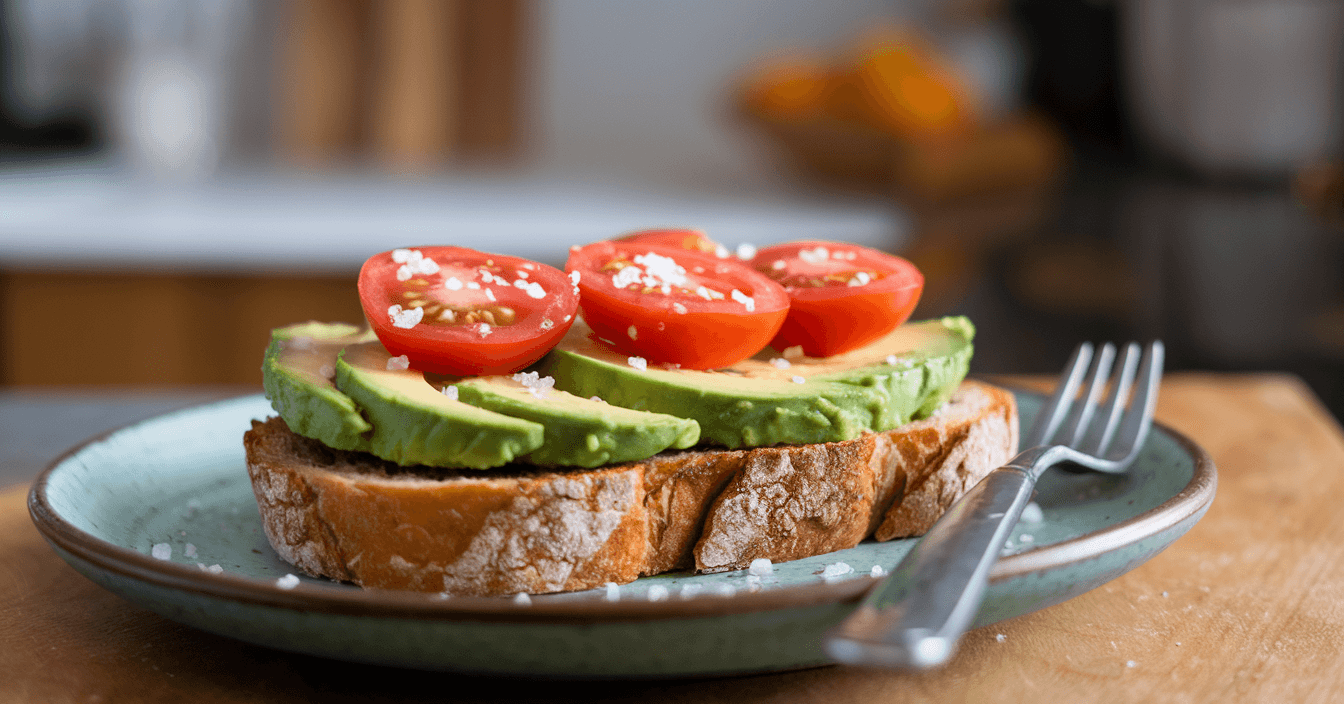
x=1247, y=607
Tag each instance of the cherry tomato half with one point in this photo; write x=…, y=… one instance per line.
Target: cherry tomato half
x=842, y=296
x=680, y=237
x=453, y=310
x=676, y=306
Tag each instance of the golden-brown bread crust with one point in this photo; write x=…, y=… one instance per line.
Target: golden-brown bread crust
x=352, y=517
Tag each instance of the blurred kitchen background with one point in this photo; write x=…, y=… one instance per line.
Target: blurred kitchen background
x=178, y=177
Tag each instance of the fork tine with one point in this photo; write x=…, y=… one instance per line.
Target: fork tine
x=1101, y=434
x=1140, y=416
x=1072, y=430
x=1052, y=413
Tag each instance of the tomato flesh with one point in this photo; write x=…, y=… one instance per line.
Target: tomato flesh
x=676, y=306
x=457, y=311
x=842, y=296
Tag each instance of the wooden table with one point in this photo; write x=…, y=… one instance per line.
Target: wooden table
x=1247, y=607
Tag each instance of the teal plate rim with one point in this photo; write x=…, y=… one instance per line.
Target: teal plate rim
x=331, y=598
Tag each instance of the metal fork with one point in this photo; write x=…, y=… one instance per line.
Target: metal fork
x=914, y=618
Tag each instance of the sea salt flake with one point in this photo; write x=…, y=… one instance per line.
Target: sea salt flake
x=877, y=571
x=679, y=309
x=534, y=290
x=626, y=276
x=450, y=392
x=473, y=285
x=574, y=277
x=814, y=256
x=190, y=551
x=483, y=329
x=638, y=363
x=598, y=399
x=780, y=363
x=761, y=567
x=398, y=363
x=860, y=279
x=753, y=583
x=892, y=359
x=215, y=569
x=746, y=250
x=836, y=570
x=1000, y=637
x=404, y=273
x=162, y=551
x=613, y=592
x=691, y=590
x=490, y=295
x=657, y=593
x=794, y=352
x=539, y=386
x=288, y=581
x=1131, y=663
x=1026, y=538
x=744, y=299
x=521, y=275
x=1032, y=513
x=725, y=590
x=721, y=251
x=405, y=319
x=547, y=323
x=778, y=264
x=633, y=333
x=522, y=599
x=401, y=256
x=799, y=380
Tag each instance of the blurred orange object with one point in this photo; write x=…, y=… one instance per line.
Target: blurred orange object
x=910, y=91
x=788, y=88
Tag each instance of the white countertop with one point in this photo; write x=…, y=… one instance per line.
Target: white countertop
x=89, y=215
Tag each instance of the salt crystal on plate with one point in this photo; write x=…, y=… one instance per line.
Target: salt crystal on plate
x=1000, y=637
x=835, y=570
x=162, y=551
x=191, y=550
x=761, y=567
x=780, y=363
x=799, y=380
x=753, y=583
x=877, y=571
x=1032, y=513
x=288, y=581
x=450, y=392
x=725, y=590
x=397, y=364
x=638, y=363
x=691, y=590
x=522, y=599
x=657, y=593
x=613, y=591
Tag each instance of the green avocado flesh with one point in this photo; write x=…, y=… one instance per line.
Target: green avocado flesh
x=297, y=374
x=414, y=423
x=580, y=432
x=905, y=375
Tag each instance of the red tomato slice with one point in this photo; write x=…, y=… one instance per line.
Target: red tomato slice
x=842, y=296
x=453, y=310
x=680, y=237
x=676, y=306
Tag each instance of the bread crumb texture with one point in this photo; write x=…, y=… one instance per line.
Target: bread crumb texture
x=351, y=517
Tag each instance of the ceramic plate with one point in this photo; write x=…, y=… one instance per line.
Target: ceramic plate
x=180, y=480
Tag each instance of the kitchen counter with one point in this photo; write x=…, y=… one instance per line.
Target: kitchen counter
x=1247, y=607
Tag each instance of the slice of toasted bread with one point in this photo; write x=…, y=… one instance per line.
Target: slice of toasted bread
x=352, y=517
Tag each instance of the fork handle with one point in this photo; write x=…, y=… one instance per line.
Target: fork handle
x=916, y=616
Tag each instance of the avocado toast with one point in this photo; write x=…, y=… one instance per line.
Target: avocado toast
x=597, y=467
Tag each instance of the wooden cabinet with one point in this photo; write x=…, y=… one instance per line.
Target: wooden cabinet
x=83, y=329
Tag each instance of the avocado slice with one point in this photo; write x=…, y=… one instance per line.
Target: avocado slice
x=414, y=423
x=906, y=374
x=297, y=374
x=580, y=432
